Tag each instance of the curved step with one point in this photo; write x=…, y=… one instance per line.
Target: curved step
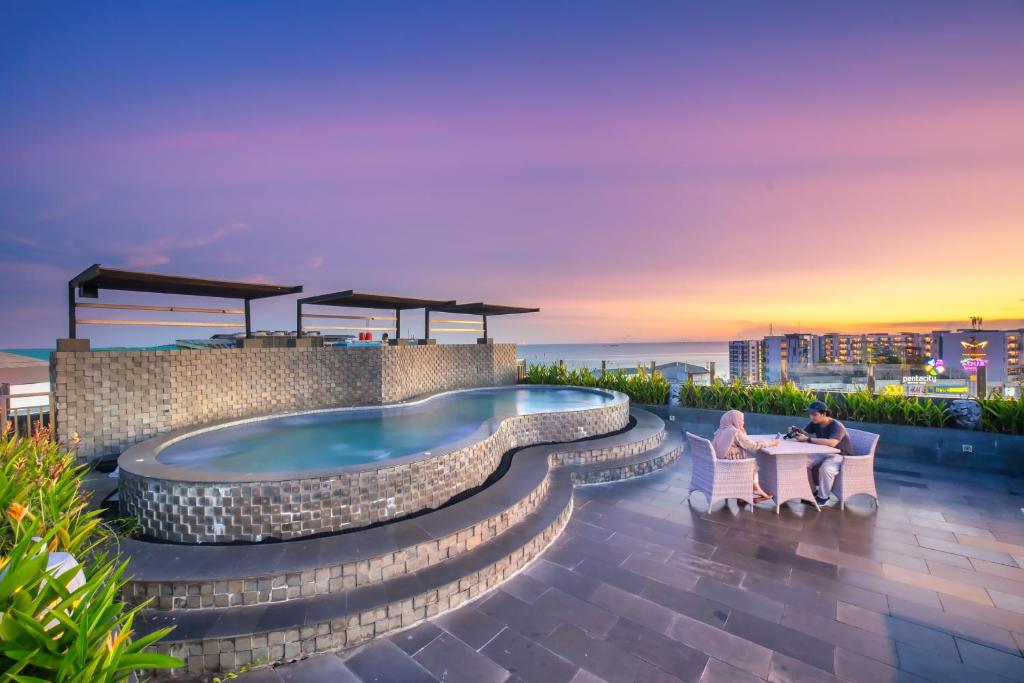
x=218, y=639
x=215, y=639
x=205, y=576
x=660, y=457
x=648, y=432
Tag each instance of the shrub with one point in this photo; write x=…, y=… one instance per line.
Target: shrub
x=998, y=414
x=641, y=387
x=60, y=625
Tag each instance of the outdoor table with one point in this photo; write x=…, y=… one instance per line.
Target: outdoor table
x=782, y=469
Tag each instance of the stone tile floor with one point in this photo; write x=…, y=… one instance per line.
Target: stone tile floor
x=642, y=587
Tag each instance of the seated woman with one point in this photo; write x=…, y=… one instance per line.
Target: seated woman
x=732, y=443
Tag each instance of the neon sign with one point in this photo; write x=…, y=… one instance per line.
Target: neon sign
x=973, y=354
x=935, y=367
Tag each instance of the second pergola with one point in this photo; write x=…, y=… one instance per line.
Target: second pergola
x=352, y=299
x=477, y=309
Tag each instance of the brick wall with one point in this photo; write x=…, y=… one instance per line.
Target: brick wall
x=113, y=399
x=409, y=371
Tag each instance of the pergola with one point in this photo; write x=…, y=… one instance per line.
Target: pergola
x=478, y=308
x=95, y=278
x=353, y=299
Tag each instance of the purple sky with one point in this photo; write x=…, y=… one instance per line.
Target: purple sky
x=641, y=171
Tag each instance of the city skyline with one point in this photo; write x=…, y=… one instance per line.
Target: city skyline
x=649, y=172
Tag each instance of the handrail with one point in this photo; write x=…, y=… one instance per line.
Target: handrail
x=172, y=309
x=347, y=317
x=162, y=323
x=350, y=327
x=5, y=408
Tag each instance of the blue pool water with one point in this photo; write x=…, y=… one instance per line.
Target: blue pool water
x=335, y=439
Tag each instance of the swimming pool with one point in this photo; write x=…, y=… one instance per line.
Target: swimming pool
x=340, y=438
x=285, y=476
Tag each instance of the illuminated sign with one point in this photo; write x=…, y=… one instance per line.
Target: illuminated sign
x=935, y=367
x=919, y=379
x=973, y=354
x=949, y=390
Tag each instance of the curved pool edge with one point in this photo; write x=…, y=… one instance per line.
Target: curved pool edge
x=192, y=506
x=142, y=459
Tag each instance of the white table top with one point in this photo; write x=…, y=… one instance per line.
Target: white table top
x=791, y=446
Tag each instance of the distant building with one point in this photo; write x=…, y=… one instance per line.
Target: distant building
x=746, y=361
x=676, y=372
x=874, y=347
x=998, y=351
x=961, y=352
x=787, y=352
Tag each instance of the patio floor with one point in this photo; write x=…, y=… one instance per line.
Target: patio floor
x=642, y=587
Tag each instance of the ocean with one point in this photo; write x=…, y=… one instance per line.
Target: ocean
x=583, y=355
x=629, y=355
x=44, y=354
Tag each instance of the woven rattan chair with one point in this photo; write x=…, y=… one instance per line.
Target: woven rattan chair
x=857, y=472
x=720, y=479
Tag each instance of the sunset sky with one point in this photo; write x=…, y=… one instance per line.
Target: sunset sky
x=642, y=171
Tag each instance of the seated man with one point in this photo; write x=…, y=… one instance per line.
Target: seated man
x=824, y=430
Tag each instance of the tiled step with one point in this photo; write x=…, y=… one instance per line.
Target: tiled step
x=219, y=639
x=657, y=458
x=205, y=576
x=224, y=639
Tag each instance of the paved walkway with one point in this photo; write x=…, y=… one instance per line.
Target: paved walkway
x=641, y=587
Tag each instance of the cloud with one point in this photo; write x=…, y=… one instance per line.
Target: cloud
x=159, y=251
x=149, y=260
x=68, y=204
x=316, y=262
x=932, y=325
x=21, y=240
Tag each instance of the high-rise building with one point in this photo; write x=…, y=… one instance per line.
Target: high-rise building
x=788, y=352
x=840, y=348
x=746, y=361
x=1014, y=361
x=903, y=347
x=1001, y=352
x=998, y=351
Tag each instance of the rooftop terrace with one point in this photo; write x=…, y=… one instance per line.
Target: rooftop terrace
x=643, y=587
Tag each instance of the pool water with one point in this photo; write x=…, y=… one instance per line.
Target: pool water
x=317, y=441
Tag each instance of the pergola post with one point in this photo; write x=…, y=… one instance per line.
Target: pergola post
x=426, y=323
x=72, y=328
x=484, y=316
x=298, y=320
x=248, y=321
x=398, y=324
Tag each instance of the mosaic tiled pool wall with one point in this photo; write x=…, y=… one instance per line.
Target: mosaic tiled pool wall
x=203, y=512
x=113, y=399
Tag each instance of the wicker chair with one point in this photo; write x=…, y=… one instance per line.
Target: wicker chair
x=720, y=479
x=857, y=472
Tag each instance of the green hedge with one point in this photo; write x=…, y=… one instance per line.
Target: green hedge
x=641, y=387
x=1003, y=415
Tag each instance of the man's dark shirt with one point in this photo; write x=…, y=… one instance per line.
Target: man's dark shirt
x=834, y=429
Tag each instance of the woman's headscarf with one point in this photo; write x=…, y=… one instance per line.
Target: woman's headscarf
x=730, y=425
